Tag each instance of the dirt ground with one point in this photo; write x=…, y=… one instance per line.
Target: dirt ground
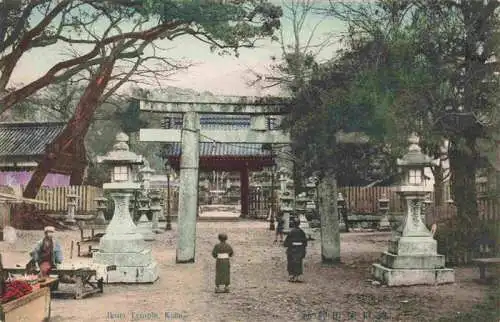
x=260, y=290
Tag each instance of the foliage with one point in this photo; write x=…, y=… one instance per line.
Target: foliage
x=435, y=75
x=322, y=110
x=120, y=29
x=130, y=118
x=486, y=311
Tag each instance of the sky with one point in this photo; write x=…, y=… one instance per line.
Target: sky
x=223, y=75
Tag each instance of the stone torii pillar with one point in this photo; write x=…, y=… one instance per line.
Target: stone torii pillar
x=190, y=137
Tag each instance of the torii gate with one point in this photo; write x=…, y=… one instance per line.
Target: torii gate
x=260, y=108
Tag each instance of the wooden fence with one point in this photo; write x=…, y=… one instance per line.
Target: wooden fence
x=365, y=201
x=57, y=200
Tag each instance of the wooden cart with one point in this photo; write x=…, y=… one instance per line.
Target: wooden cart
x=83, y=279
x=33, y=307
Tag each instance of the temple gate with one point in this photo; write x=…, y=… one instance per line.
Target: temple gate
x=191, y=135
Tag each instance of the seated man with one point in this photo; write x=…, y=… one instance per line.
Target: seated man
x=47, y=253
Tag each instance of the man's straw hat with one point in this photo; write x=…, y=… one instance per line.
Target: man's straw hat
x=49, y=229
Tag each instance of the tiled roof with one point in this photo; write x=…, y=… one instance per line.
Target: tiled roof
x=223, y=122
x=27, y=139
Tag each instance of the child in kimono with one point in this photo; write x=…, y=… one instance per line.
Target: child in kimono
x=222, y=252
x=296, y=243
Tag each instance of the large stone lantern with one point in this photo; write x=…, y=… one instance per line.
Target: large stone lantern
x=412, y=256
x=123, y=247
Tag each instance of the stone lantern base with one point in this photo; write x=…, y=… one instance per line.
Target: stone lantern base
x=132, y=259
x=145, y=228
x=412, y=261
x=124, y=256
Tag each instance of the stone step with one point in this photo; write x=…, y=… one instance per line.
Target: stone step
x=413, y=246
x=407, y=277
x=128, y=274
x=414, y=262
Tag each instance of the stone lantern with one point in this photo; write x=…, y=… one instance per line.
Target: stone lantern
x=101, y=208
x=145, y=174
x=144, y=226
x=286, y=199
x=383, y=207
x=123, y=247
x=412, y=258
x=155, y=197
x=72, y=204
x=341, y=207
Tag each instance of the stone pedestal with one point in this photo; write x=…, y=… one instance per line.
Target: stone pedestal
x=144, y=226
x=384, y=223
x=124, y=247
x=342, y=226
x=155, y=222
x=156, y=209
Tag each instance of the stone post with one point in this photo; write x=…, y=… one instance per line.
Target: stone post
x=330, y=232
x=72, y=203
x=188, y=190
x=341, y=207
x=101, y=207
x=156, y=209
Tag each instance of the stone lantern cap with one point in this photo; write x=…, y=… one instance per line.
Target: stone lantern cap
x=414, y=157
x=121, y=153
x=146, y=169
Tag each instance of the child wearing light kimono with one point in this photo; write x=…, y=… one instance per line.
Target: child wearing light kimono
x=222, y=252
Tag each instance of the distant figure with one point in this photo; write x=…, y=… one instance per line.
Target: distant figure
x=280, y=227
x=47, y=253
x=222, y=251
x=296, y=243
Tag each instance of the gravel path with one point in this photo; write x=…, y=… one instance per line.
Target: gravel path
x=260, y=291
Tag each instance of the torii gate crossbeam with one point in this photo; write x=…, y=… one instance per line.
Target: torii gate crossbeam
x=191, y=135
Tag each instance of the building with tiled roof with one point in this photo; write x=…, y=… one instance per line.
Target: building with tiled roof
x=223, y=156
x=227, y=157
x=22, y=146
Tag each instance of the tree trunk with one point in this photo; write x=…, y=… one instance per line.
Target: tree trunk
x=496, y=189
x=438, y=174
x=76, y=178
x=75, y=130
x=463, y=161
x=330, y=234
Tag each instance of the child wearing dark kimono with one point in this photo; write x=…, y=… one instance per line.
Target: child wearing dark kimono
x=296, y=243
x=222, y=252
